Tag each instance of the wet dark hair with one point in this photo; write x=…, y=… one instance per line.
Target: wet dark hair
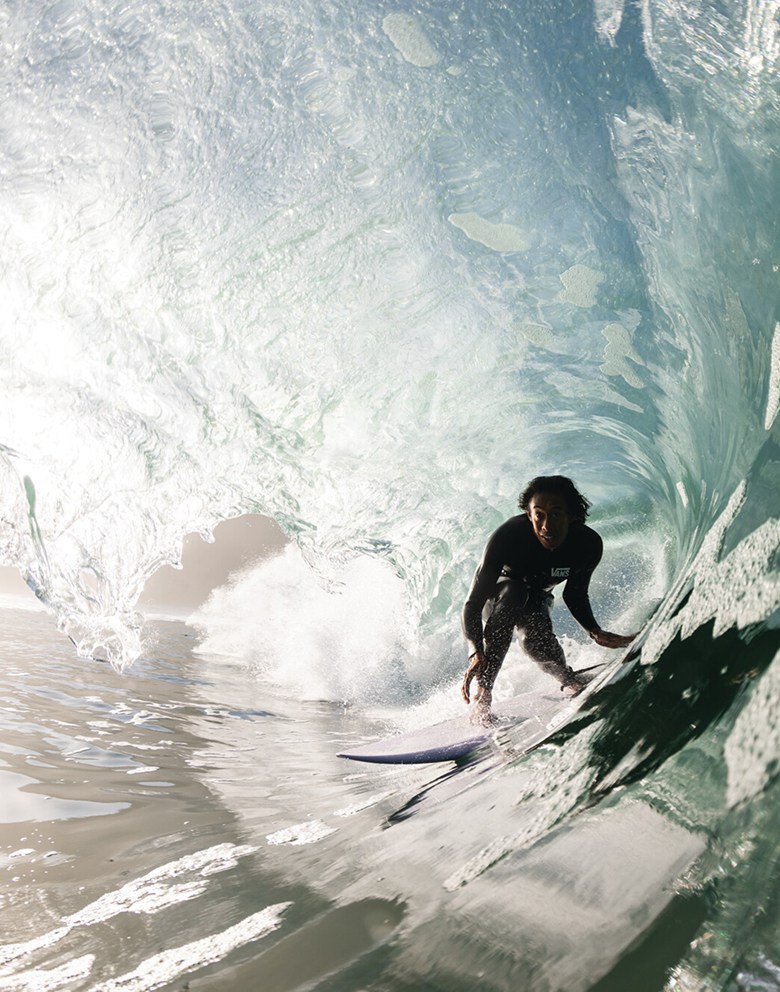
x=576, y=503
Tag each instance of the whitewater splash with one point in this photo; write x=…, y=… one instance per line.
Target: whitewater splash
x=366, y=272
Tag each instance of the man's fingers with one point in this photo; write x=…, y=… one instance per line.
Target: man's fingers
x=609, y=640
x=621, y=640
x=475, y=666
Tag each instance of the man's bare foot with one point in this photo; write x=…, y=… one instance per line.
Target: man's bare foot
x=573, y=688
x=482, y=717
x=480, y=712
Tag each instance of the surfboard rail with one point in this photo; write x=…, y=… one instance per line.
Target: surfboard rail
x=450, y=740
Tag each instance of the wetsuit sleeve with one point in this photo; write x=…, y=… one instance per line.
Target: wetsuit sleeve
x=482, y=589
x=575, y=592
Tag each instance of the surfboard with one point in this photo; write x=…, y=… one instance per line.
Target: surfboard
x=541, y=712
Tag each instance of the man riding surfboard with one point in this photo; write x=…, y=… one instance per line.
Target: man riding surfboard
x=545, y=545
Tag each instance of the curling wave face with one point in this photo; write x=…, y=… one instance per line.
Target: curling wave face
x=366, y=273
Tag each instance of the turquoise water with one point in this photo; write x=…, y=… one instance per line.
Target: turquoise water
x=365, y=269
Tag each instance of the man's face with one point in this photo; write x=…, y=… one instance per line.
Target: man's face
x=550, y=519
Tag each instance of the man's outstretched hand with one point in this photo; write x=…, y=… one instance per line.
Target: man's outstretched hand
x=609, y=640
x=477, y=664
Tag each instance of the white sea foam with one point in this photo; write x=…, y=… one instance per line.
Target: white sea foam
x=149, y=894
x=409, y=37
x=499, y=237
x=608, y=17
x=620, y=356
x=63, y=976
x=165, y=967
x=580, y=285
x=301, y=834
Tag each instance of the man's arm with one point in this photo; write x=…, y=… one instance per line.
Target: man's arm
x=575, y=595
x=575, y=592
x=609, y=640
x=482, y=588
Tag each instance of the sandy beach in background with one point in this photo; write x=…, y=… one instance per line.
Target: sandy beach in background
x=238, y=544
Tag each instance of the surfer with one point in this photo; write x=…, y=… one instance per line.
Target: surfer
x=548, y=543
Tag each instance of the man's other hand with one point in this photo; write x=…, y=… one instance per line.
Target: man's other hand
x=477, y=665
x=609, y=640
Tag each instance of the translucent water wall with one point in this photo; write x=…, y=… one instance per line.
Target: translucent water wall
x=368, y=268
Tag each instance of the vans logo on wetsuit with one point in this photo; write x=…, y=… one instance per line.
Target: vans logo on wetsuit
x=560, y=573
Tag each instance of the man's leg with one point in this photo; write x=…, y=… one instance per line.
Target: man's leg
x=506, y=612
x=542, y=646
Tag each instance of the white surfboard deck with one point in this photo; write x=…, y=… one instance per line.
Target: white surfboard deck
x=456, y=738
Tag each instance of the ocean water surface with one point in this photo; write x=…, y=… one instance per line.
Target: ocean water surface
x=351, y=274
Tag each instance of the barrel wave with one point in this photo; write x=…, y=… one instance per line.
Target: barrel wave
x=366, y=269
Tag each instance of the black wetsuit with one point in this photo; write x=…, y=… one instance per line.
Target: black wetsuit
x=514, y=579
